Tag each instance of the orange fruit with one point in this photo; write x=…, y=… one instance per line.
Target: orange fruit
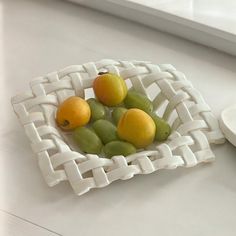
x=136, y=127
x=110, y=89
x=72, y=113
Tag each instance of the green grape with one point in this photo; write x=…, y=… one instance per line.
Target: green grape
x=117, y=113
x=87, y=140
x=118, y=148
x=98, y=111
x=137, y=100
x=106, y=130
x=163, y=129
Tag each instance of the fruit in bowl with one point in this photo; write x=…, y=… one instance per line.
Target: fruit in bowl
x=98, y=111
x=137, y=100
x=116, y=122
x=118, y=148
x=87, y=140
x=110, y=89
x=72, y=113
x=137, y=127
x=106, y=130
x=163, y=129
x=117, y=114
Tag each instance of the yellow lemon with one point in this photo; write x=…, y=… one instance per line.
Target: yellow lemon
x=110, y=89
x=136, y=127
x=72, y=113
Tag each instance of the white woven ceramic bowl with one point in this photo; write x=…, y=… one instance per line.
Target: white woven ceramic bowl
x=173, y=96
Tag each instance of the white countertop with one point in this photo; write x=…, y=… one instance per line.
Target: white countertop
x=37, y=37
x=214, y=13
x=211, y=23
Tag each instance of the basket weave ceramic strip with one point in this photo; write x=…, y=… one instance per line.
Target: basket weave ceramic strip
x=193, y=124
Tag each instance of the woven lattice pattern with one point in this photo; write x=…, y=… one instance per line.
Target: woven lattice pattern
x=174, y=98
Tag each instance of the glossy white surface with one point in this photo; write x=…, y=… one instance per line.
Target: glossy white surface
x=37, y=37
x=211, y=23
x=228, y=123
x=215, y=13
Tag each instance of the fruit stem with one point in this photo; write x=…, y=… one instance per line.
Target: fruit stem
x=103, y=73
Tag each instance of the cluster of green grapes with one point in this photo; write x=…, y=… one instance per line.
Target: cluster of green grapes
x=101, y=136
